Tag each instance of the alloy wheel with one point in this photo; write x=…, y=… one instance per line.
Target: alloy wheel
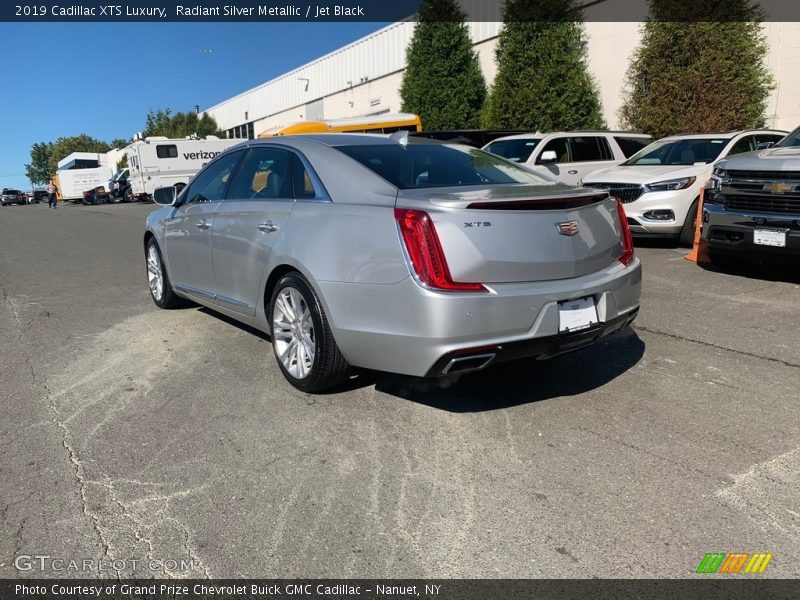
x=293, y=332
x=155, y=276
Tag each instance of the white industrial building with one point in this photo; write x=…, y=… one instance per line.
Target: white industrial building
x=364, y=77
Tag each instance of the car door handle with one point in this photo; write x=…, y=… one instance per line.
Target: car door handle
x=573, y=172
x=204, y=225
x=267, y=227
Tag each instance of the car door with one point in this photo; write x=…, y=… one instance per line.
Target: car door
x=587, y=154
x=248, y=224
x=560, y=146
x=188, y=230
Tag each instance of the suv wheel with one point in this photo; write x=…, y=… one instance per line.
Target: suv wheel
x=302, y=341
x=128, y=195
x=687, y=232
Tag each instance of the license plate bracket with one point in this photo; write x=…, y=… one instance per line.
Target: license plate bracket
x=577, y=315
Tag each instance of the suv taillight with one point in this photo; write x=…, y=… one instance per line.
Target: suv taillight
x=628, y=254
x=426, y=254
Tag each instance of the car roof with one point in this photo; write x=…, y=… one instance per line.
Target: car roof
x=539, y=134
x=729, y=135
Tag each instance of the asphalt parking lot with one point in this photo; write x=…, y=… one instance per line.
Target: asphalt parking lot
x=130, y=433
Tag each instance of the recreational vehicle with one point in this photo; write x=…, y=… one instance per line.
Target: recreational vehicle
x=156, y=162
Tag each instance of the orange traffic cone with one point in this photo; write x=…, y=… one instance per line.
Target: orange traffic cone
x=698, y=253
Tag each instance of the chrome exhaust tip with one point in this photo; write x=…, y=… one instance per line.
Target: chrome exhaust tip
x=463, y=364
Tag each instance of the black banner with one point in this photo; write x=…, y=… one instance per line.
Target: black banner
x=707, y=588
x=379, y=10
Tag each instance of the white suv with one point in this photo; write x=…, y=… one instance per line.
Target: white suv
x=569, y=156
x=661, y=184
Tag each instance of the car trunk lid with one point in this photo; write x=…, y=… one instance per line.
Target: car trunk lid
x=521, y=233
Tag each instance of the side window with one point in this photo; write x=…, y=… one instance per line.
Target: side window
x=746, y=144
x=265, y=174
x=210, y=184
x=631, y=145
x=167, y=151
x=768, y=137
x=559, y=146
x=585, y=149
x=303, y=187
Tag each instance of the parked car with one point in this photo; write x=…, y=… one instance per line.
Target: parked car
x=753, y=207
x=393, y=253
x=95, y=196
x=569, y=156
x=12, y=196
x=39, y=196
x=661, y=184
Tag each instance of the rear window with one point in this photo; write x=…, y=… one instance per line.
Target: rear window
x=518, y=150
x=434, y=165
x=631, y=145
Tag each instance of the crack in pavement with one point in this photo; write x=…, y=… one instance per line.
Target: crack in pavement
x=681, y=338
x=65, y=442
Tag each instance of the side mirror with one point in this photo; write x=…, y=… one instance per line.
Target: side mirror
x=165, y=196
x=548, y=157
x=764, y=145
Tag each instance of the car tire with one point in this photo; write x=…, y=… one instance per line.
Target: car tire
x=128, y=195
x=327, y=367
x=686, y=237
x=154, y=263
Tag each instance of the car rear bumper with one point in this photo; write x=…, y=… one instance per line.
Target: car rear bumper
x=403, y=328
x=732, y=231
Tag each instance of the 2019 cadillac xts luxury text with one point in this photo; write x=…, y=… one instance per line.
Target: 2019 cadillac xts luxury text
x=392, y=253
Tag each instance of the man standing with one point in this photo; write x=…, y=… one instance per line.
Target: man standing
x=51, y=196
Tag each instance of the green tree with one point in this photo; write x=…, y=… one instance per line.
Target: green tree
x=542, y=82
x=443, y=83
x=162, y=122
x=122, y=163
x=38, y=170
x=698, y=76
x=65, y=146
x=119, y=143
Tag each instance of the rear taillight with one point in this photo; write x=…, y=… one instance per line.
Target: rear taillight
x=425, y=252
x=627, y=255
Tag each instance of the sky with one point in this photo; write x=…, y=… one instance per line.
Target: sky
x=102, y=78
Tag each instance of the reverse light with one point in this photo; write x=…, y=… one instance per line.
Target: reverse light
x=670, y=184
x=426, y=254
x=628, y=254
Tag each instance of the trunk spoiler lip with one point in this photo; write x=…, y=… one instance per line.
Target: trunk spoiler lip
x=558, y=202
x=506, y=197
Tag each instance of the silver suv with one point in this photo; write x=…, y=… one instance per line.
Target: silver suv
x=12, y=196
x=569, y=156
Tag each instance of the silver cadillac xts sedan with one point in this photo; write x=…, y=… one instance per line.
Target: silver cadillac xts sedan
x=393, y=253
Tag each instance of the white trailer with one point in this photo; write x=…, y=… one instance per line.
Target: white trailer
x=73, y=182
x=156, y=162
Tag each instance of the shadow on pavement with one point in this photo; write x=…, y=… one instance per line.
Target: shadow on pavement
x=522, y=382
x=507, y=384
x=765, y=270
